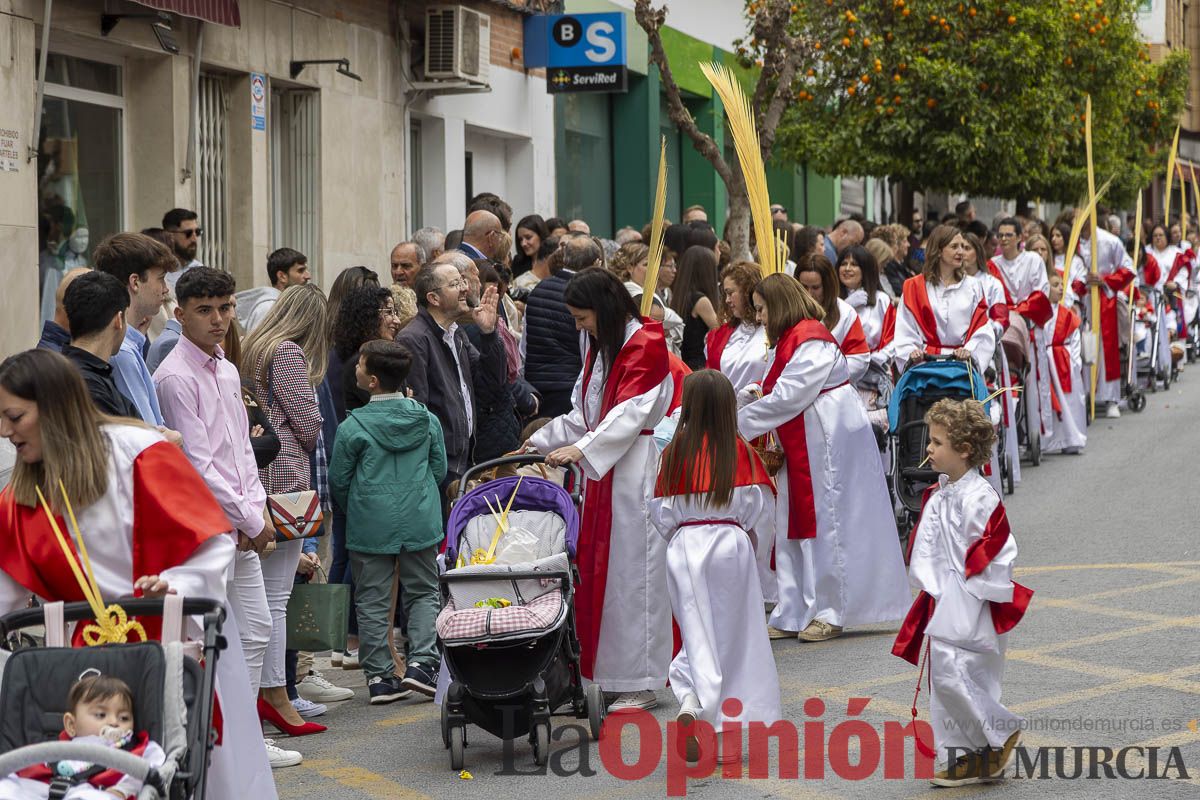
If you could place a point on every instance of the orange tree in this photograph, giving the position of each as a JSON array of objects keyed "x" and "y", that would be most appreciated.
[{"x": 983, "y": 97}]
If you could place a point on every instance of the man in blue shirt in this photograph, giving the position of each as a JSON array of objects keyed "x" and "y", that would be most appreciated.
[
  {"x": 141, "y": 264},
  {"x": 56, "y": 332}
]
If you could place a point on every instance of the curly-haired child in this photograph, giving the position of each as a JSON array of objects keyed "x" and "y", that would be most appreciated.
[{"x": 961, "y": 560}]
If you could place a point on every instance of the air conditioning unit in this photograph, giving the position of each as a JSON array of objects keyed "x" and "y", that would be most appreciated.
[{"x": 458, "y": 44}]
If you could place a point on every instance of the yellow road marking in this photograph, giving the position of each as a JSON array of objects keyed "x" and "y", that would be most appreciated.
[
  {"x": 370, "y": 783},
  {"x": 1162, "y": 566},
  {"x": 427, "y": 713}
]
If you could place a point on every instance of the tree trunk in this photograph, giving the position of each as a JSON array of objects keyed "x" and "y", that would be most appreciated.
[{"x": 737, "y": 228}]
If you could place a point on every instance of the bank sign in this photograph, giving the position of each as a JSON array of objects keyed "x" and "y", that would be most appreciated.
[{"x": 581, "y": 52}]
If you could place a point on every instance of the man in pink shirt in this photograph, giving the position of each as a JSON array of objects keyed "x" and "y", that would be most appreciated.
[{"x": 199, "y": 391}]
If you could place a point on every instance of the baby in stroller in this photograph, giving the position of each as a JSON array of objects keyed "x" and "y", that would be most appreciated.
[{"x": 101, "y": 712}]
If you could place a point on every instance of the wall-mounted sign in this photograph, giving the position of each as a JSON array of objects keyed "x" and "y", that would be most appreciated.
[
  {"x": 258, "y": 101},
  {"x": 581, "y": 52}
]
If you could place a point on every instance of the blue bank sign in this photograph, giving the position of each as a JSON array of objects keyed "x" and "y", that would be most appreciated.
[{"x": 581, "y": 52}]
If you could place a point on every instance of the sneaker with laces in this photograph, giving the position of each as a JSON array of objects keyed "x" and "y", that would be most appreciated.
[
  {"x": 279, "y": 757},
  {"x": 819, "y": 631},
  {"x": 383, "y": 690},
  {"x": 633, "y": 701},
  {"x": 421, "y": 678},
  {"x": 316, "y": 688},
  {"x": 307, "y": 708},
  {"x": 350, "y": 659},
  {"x": 689, "y": 712},
  {"x": 966, "y": 770},
  {"x": 998, "y": 759}
]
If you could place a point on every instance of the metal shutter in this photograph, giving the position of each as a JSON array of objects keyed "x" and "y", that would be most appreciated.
[{"x": 212, "y": 158}]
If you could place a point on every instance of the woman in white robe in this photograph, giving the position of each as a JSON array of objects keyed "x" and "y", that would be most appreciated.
[
  {"x": 820, "y": 280},
  {"x": 710, "y": 526},
  {"x": 858, "y": 274},
  {"x": 148, "y": 487},
  {"x": 1068, "y": 428},
  {"x": 837, "y": 552},
  {"x": 625, "y": 389}
]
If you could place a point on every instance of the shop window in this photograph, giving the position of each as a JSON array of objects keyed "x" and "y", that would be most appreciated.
[
  {"x": 212, "y": 155},
  {"x": 80, "y": 155},
  {"x": 295, "y": 144}
]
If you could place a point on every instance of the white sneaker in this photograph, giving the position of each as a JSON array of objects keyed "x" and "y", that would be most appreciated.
[
  {"x": 1113, "y": 411},
  {"x": 634, "y": 701},
  {"x": 689, "y": 710},
  {"x": 307, "y": 708},
  {"x": 279, "y": 757},
  {"x": 316, "y": 688},
  {"x": 350, "y": 659}
]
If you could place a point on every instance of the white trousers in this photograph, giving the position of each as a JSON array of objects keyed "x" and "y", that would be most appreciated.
[
  {"x": 964, "y": 702},
  {"x": 279, "y": 573},
  {"x": 248, "y": 602},
  {"x": 14, "y": 788}
]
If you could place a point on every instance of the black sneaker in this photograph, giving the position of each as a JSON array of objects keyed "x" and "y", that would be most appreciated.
[
  {"x": 386, "y": 690},
  {"x": 421, "y": 678}
]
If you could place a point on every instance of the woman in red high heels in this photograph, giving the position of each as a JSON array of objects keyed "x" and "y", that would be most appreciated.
[{"x": 286, "y": 357}]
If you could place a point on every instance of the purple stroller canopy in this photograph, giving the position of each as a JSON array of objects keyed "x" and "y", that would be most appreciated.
[{"x": 536, "y": 494}]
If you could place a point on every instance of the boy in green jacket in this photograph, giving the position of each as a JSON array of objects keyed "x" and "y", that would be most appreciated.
[{"x": 388, "y": 460}]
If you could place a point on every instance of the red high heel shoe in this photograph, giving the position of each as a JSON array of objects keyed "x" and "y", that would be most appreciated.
[{"x": 268, "y": 714}]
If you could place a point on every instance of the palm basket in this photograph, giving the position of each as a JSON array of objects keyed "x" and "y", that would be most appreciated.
[{"x": 767, "y": 447}]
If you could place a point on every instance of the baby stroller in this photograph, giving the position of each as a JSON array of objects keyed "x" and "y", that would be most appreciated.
[
  {"x": 1029, "y": 426},
  {"x": 507, "y": 628},
  {"x": 173, "y": 694},
  {"x": 1147, "y": 339},
  {"x": 922, "y": 385}
]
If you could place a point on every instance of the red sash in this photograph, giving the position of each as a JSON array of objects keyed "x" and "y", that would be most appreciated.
[
  {"x": 1005, "y": 616},
  {"x": 641, "y": 366},
  {"x": 1151, "y": 270},
  {"x": 679, "y": 371},
  {"x": 750, "y": 472},
  {"x": 889, "y": 328},
  {"x": 715, "y": 343},
  {"x": 854, "y": 343},
  {"x": 916, "y": 300},
  {"x": 1035, "y": 307},
  {"x": 1065, "y": 325},
  {"x": 802, "y": 509},
  {"x": 1109, "y": 338},
  {"x": 1182, "y": 261},
  {"x": 104, "y": 780}
]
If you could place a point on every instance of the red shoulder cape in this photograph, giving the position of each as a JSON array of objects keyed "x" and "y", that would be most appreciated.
[
  {"x": 916, "y": 300},
  {"x": 750, "y": 472},
  {"x": 715, "y": 343}
]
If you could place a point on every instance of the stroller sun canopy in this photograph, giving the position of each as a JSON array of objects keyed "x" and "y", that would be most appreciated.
[
  {"x": 536, "y": 494},
  {"x": 950, "y": 377}
]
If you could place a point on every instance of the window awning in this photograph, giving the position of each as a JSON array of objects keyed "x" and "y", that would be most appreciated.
[{"x": 220, "y": 12}]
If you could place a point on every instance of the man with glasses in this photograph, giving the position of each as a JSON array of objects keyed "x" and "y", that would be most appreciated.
[
  {"x": 184, "y": 227},
  {"x": 448, "y": 374},
  {"x": 779, "y": 213}
]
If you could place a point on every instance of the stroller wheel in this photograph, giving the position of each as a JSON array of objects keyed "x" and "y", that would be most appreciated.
[
  {"x": 458, "y": 742},
  {"x": 1137, "y": 401},
  {"x": 596, "y": 709},
  {"x": 540, "y": 738},
  {"x": 445, "y": 723},
  {"x": 1009, "y": 486}
]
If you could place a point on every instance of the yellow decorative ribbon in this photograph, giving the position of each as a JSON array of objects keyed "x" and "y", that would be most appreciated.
[{"x": 113, "y": 625}]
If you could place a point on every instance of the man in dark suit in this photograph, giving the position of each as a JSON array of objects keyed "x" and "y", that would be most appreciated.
[{"x": 446, "y": 367}]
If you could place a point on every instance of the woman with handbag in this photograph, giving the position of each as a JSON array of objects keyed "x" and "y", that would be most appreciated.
[
  {"x": 837, "y": 553},
  {"x": 286, "y": 356},
  {"x": 126, "y": 485}
]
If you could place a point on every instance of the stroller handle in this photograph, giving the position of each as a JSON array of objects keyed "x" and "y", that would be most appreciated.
[
  {"x": 524, "y": 458},
  {"x": 81, "y": 611}
]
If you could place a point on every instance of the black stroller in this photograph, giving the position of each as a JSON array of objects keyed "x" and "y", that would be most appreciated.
[
  {"x": 173, "y": 697},
  {"x": 507, "y": 627}
]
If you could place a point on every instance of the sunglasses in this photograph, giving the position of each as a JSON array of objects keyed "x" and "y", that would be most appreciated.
[{"x": 194, "y": 233}]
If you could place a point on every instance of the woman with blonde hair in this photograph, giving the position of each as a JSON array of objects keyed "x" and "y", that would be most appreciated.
[
  {"x": 286, "y": 356},
  {"x": 837, "y": 553},
  {"x": 943, "y": 310},
  {"x": 126, "y": 486}
]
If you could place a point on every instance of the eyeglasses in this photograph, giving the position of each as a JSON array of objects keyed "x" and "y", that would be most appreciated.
[
  {"x": 1009, "y": 235},
  {"x": 388, "y": 312},
  {"x": 457, "y": 285},
  {"x": 194, "y": 233}
]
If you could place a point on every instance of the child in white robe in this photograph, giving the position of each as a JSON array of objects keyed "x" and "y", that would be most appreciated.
[
  {"x": 712, "y": 492},
  {"x": 961, "y": 561},
  {"x": 1068, "y": 425}
]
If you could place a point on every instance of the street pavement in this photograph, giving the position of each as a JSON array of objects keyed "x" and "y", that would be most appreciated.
[{"x": 1108, "y": 656}]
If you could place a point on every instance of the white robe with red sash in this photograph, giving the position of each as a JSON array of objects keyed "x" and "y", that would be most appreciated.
[
  {"x": 622, "y": 609},
  {"x": 156, "y": 517},
  {"x": 961, "y": 562},
  {"x": 1069, "y": 402},
  {"x": 938, "y": 319},
  {"x": 849, "y": 334},
  {"x": 1075, "y": 288},
  {"x": 712, "y": 580},
  {"x": 739, "y": 352},
  {"x": 997, "y": 301},
  {"x": 1115, "y": 269},
  {"x": 1026, "y": 292},
  {"x": 837, "y": 553}
]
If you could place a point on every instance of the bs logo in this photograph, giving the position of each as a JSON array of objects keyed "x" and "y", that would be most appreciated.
[{"x": 599, "y": 35}]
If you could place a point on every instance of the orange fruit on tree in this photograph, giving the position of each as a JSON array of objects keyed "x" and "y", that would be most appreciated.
[
  {"x": 931, "y": 103},
  {"x": 1012, "y": 20}
]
